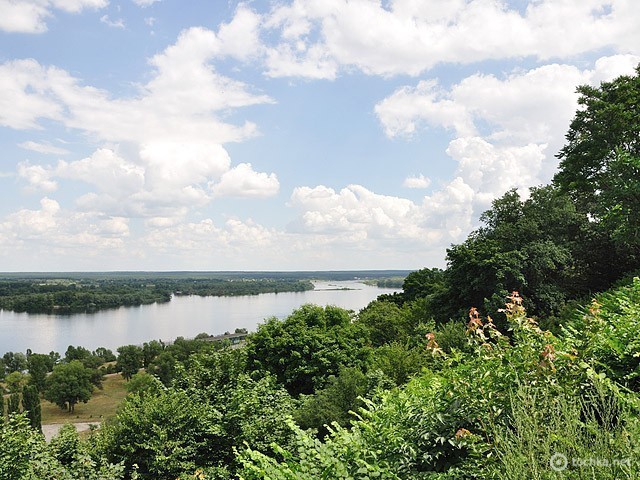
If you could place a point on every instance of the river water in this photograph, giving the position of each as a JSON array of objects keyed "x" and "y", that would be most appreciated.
[{"x": 184, "y": 316}]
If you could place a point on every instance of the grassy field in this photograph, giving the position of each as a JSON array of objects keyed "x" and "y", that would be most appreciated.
[{"x": 102, "y": 405}]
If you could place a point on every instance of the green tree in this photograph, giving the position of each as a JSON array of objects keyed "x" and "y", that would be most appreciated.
[
  {"x": 142, "y": 383},
  {"x": 256, "y": 413},
  {"x": 13, "y": 405},
  {"x": 105, "y": 354},
  {"x": 150, "y": 350},
  {"x": 15, "y": 381},
  {"x": 542, "y": 247},
  {"x": 304, "y": 349},
  {"x": 129, "y": 360},
  {"x": 26, "y": 455},
  {"x": 32, "y": 407},
  {"x": 163, "y": 367},
  {"x": 164, "y": 434},
  {"x": 65, "y": 446},
  {"x": 76, "y": 353},
  {"x": 600, "y": 163},
  {"x": 385, "y": 323},
  {"x": 19, "y": 445},
  {"x": 335, "y": 402},
  {"x": 423, "y": 283},
  {"x": 398, "y": 362},
  {"x": 15, "y": 361},
  {"x": 39, "y": 366},
  {"x": 68, "y": 384}
]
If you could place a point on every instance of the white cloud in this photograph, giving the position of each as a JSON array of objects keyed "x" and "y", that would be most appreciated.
[
  {"x": 106, "y": 171},
  {"x": 243, "y": 181},
  {"x": 356, "y": 211},
  {"x": 76, "y": 6},
  {"x": 52, "y": 227},
  {"x": 174, "y": 164},
  {"x": 419, "y": 181},
  {"x": 506, "y": 130},
  {"x": 171, "y": 132},
  {"x": 117, "y": 23},
  {"x": 410, "y": 37},
  {"x": 23, "y": 94},
  {"x": 523, "y": 106},
  {"x": 45, "y": 148},
  {"x": 145, "y": 3},
  {"x": 166, "y": 179},
  {"x": 208, "y": 239},
  {"x": 240, "y": 37},
  {"x": 402, "y": 112},
  {"x": 37, "y": 177},
  {"x": 313, "y": 62},
  {"x": 29, "y": 16},
  {"x": 160, "y": 153},
  {"x": 179, "y": 103}
]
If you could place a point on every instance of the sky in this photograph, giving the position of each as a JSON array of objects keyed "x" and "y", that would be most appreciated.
[{"x": 284, "y": 134}]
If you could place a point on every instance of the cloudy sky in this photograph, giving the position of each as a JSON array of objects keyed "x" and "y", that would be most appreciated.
[{"x": 282, "y": 134}]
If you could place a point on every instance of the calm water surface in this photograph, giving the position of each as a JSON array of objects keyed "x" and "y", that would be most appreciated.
[{"x": 182, "y": 316}]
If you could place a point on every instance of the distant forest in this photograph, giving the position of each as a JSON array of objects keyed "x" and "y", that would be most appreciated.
[{"x": 92, "y": 291}]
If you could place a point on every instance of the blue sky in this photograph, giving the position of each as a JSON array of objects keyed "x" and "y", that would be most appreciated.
[{"x": 282, "y": 135}]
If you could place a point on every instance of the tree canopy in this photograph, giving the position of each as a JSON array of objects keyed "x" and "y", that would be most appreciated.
[
  {"x": 600, "y": 163},
  {"x": 68, "y": 384}
]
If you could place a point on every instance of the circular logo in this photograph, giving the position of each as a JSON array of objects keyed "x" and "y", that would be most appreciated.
[{"x": 558, "y": 462}]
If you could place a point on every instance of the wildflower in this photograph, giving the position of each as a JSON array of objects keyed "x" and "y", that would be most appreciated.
[
  {"x": 432, "y": 345},
  {"x": 475, "y": 322},
  {"x": 547, "y": 356}
]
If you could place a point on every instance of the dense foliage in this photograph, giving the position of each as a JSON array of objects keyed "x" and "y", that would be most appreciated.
[
  {"x": 600, "y": 163},
  {"x": 307, "y": 347}
]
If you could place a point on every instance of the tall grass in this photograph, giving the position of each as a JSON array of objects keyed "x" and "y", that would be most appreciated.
[{"x": 568, "y": 436}]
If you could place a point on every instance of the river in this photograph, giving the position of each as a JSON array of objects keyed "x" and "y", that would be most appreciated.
[{"x": 184, "y": 316}]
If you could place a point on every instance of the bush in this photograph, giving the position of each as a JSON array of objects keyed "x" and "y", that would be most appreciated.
[{"x": 606, "y": 333}]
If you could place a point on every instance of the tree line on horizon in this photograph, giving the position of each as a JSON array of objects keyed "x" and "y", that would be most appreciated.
[{"x": 34, "y": 295}]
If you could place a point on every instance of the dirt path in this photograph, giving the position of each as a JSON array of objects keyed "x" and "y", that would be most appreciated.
[{"x": 52, "y": 429}]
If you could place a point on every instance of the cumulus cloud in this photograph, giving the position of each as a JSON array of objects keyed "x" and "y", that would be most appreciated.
[
  {"x": 28, "y": 16},
  {"x": 105, "y": 170},
  {"x": 180, "y": 102},
  {"x": 419, "y": 181},
  {"x": 208, "y": 239},
  {"x": 409, "y": 37},
  {"x": 357, "y": 211},
  {"x": 37, "y": 177},
  {"x": 24, "y": 84},
  {"x": 243, "y": 181},
  {"x": 506, "y": 130},
  {"x": 51, "y": 227},
  {"x": 160, "y": 153},
  {"x": 172, "y": 133},
  {"x": 165, "y": 179}
]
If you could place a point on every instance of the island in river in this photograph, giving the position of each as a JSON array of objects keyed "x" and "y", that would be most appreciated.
[{"x": 67, "y": 293}]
